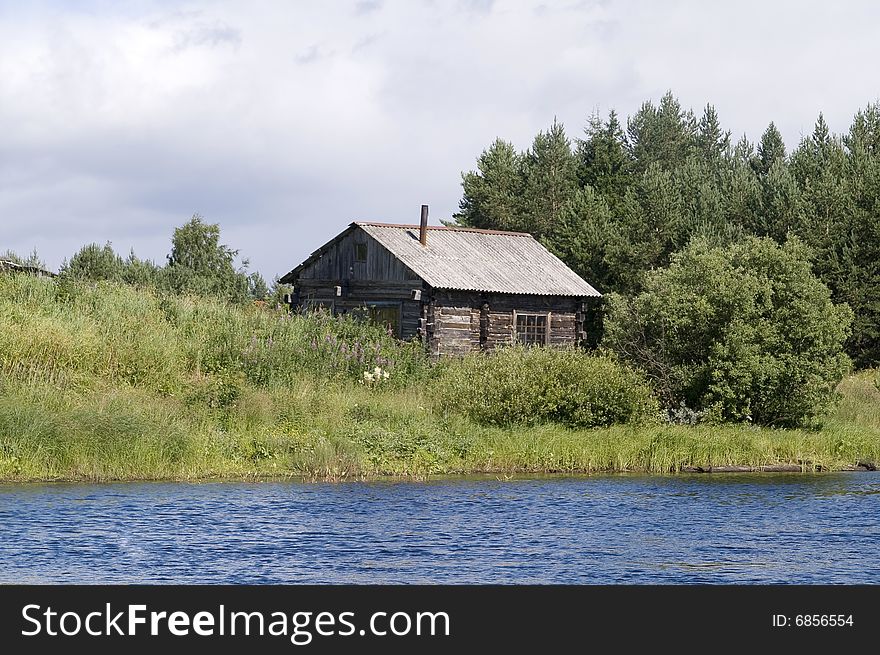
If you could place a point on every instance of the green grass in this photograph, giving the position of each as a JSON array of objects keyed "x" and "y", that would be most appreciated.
[{"x": 114, "y": 383}]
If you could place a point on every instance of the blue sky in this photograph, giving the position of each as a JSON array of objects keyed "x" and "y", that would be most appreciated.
[{"x": 284, "y": 121}]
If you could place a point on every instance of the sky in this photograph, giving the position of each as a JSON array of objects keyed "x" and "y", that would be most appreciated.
[{"x": 283, "y": 121}]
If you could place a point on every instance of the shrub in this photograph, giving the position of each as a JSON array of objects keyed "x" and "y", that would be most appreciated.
[
  {"x": 744, "y": 332},
  {"x": 538, "y": 385}
]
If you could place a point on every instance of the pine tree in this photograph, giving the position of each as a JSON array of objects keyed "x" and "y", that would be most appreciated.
[
  {"x": 784, "y": 210},
  {"x": 550, "y": 179},
  {"x": 93, "y": 263},
  {"x": 492, "y": 195},
  {"x": 741, "y": 189},
  {"x": 662, "y": 135},
  {"x": 140, "y": 272},
  {"x": 603, "y": 160},
  {"x": 646, "y": 229},
  {"x": 702, "y": 200},
  {"x": 770, "y": 150},
  {"x": 581, "y": 235},
  {"x": 711, "y": 141}
]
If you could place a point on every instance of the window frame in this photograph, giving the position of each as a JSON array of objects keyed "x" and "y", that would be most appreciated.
[
  {"x": 360, "y": 247},
  {"x": 378, "y": 306},
  {"x": 516, "y": 331}
]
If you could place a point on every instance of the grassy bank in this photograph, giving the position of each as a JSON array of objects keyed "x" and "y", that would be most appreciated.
[{"x": 111, "y": 383}]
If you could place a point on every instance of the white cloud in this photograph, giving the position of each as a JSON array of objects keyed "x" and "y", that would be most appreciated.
[{"x": 284, "y": 121}]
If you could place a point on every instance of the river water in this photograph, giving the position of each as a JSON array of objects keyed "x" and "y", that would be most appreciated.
[{"x": 687, "y": 529}]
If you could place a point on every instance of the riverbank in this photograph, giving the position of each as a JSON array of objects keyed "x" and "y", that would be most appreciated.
[
  {"x": 339, "y": 431},
  {"x": 108, "y": 382}
]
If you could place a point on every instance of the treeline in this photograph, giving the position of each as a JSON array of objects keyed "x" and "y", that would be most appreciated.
[
  {"x": 621, "y": 200},
  {"x": 198, "y": 264}
]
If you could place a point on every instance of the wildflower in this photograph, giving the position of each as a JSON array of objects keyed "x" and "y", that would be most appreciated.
[
  {"x": 368, "y": 377},
  {"x": 377, "y": 371},
  {"x": 385, "y": 374}
]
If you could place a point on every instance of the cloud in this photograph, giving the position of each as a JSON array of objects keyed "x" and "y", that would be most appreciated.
[
  {"x": 367, "y": 6},
  {"x": 285, "y": 121}
]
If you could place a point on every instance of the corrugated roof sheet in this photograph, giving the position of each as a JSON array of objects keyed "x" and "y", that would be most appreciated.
[{"x": 480, "y": 260}]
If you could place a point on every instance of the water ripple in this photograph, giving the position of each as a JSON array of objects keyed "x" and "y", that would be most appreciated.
[{"x": 596, "y": 530}]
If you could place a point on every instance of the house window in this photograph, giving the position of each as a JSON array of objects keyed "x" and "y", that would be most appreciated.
[
  {"x": 360, "y": 252},
  {"x": 387, "y": 316},
  {"x": 531, "y": 329}
]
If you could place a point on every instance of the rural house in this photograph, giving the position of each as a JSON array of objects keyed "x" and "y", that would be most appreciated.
[{"x": 458, "y": 289}]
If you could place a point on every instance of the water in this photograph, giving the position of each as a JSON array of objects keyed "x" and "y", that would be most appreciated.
[{"x": 591, "y": 530}]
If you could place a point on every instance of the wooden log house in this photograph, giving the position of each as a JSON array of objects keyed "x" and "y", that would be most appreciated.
[{"x": 457, "y": 289}]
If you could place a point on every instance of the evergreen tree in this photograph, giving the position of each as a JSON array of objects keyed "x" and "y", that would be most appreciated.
[
  {"x": 492, "y": 195},
  {"x": 770, "y": 150},
  {"x": 742, "y": 190},
  {"x": 141, "y": 272},
  {"x": 784, "y": 210},
  {"x": 712, "y": 143},
  {"x": 581, "y": 236},
  {"x": 257, "y": 288},
  {"x": 624, "y": 203},
  {"x": 702, "y": 201},
  {"x": 662, "y": 135},
  {"x": 858, "y": 255},
  {"x": 93, "y": 263},
  {"x": 647, "y": 228},
  {"x": 602, "y": 158},
  {"x": 863, "y": 140},
  {"x": 550, "y": 179}
]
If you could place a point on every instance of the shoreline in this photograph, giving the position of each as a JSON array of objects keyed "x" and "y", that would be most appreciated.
[{"x": 476, "y": 475}]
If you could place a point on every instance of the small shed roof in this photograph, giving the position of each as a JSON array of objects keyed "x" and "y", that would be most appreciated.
[
  {"x": 6, "y": 265},
  {"x": 468, "y": 259}
]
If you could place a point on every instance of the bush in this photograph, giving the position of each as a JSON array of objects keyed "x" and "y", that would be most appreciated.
[
  {"x": 539, "y": 385},
  {"x": 744, "y": 333}
]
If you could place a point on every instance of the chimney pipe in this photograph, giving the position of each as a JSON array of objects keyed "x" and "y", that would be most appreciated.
[{"x": 423, "y": 227}]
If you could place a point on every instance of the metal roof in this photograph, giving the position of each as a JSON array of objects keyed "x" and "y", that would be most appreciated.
[{"x": 478, "y": 260}]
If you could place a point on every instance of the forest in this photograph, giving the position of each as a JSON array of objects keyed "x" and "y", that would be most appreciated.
[{"x": 625, "y": 197}]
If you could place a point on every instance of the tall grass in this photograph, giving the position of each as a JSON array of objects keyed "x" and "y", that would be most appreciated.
[
  {"x": 68, "y": 333},
  {"x": 107, "y": 382}
]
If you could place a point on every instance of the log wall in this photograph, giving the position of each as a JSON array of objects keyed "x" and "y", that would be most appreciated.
[{"x": 464, "y": 322}]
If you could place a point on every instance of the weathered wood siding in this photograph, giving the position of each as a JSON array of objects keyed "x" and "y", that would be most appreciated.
[
  {"x": 381, "y": 280},
  {"x": 465, "y": 322},
  {"x": 338, "y": 263}
]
